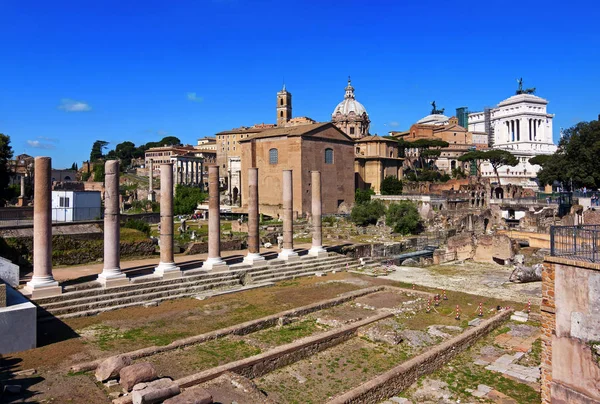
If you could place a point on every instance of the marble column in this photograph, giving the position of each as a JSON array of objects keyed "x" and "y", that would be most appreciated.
[
  {"x": 253, "y": 256},
  {"x": 166, "y": 268},
  {"x": 287, "y": 252},
  {"x": 151, "y": 194},
  {"x": 42, "y": 282},
  {"x": 214, "y": 260},
  {"x": 111, "y": 273},
  {"x": 317, "y": 249},
  {"x": 22, "y": 200}
]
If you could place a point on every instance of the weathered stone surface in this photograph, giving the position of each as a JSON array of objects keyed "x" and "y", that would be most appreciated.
[
  {"x": 151, "y": 395},
  {"x": 494, "y": 248},
  {"x": 191, "y": 396},
  {"x": 9, "y": 272},
  {"x": 410, "y": 262},
  {"x": 110, "y": 368},
  {"x": 136, "y": 373},
  {"x": 522, "y": 274}
]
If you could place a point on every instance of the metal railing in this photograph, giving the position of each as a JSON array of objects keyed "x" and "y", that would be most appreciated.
[{"x": 577, "y": 242}]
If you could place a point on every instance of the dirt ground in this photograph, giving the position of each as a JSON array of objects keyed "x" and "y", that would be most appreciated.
[
  {"x": 480, "y": 279},
  {"x": 62, "y": 344}
]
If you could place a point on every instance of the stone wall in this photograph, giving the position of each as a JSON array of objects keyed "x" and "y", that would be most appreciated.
[
  {"x": 229, "y": 245},
  {"x": 497, "y": 248},
  {"x": 401, "y": 377},
  {"x": 2, "y": 294},
  {"x": 571, "y": 331}
]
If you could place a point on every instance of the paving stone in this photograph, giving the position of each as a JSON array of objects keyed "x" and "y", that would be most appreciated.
[
  {"x": 400, "y": 400},
  {"x": 475, "y": 322}
]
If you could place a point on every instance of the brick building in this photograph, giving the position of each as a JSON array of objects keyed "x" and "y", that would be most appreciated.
[{"x": 302, "y": 149}]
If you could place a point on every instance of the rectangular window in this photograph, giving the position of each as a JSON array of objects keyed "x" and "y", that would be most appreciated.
[
  {"x": 352, "y": 130},
  {"x": 63, "y": 202}
]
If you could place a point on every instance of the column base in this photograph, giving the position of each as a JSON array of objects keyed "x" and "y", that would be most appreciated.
[
  {"x": 38, "y": 288},
  {"x": 152, "y": 196},
  {"x": 22, "y": 201},
  {"x": 288, "y": 254},
  {"x": 168, "y": 270},
  {"x": 109, "y": 280},
  {"x": 318, "y": 252},
  {"x": 212, "y": 264},
  {"x": 254, "y": 259}
]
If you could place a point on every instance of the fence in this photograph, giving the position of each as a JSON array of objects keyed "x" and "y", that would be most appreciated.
[{"x": 577, "y": 242}]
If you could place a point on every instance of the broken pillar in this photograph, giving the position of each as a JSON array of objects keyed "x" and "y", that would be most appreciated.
[
  {"x": 151, "y": 193},
  {"x": 287, "y": 252},
  {"x": 111, "y": 273},
  {"x": 317, "y": 249},
  {"x": 214, "y": 260},
  {"x": 42, "y": 283},
  {"x": 166, "y": 268},
  {"x": 253, "y": 256}
]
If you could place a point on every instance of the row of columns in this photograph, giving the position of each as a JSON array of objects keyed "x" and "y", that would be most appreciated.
[
  {"x": 188, "y": 171},
  {"x": 43, "y": 284},
  {"x": 513, "y": 129}
]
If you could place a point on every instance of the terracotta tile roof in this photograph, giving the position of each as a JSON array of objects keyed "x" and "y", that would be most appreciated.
[
  {"x": 300, "y": 130},
  {"x": 376, "y": 138}
]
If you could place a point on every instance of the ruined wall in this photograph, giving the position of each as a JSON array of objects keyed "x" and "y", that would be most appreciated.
[
  {"x": 497, "y": 248},
  {"x": 571, "y": 331},
  {"x": 229, "y": 245}
]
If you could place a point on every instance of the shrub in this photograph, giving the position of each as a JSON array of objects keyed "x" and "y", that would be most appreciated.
[
  {"x": 138, "y": 225},
  {"x": 367, "y": 213},
  {"x": 391, "y": 186},
  {"x": 404, "y": 218},
  {"x": 363, "y": 196}
]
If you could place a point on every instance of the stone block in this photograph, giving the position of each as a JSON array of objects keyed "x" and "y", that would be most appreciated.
[
  {"x": 137, "y": 373},
  {"x": 110, "y": 368},
  {"x": 9, "y": 272},
  {"x": 18, "y": 323},
  {"x": 195, "y": 395},
  {"x": 152, "y": 395},
  {"x": 2, "y": 295}
]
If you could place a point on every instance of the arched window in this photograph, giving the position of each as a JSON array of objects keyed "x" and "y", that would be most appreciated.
[
  {"x": 273, "y": 156},
  {"x": 281, "y": 114},
  {"x": 281, "y": 101},
  {"x": 328, "y": 156}
]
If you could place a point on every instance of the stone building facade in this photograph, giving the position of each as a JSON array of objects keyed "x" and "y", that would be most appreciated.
[
  {"x": 350, "y": 116},
  {"x": 521, "y": 125},
  {"x": 376, "y": 158},
  {"x": 302, "y": 149}
]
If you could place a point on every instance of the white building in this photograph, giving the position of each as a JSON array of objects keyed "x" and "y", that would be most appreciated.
[
  {"x": 521, "y": 125},
  {"x": 71, "y": 206}
]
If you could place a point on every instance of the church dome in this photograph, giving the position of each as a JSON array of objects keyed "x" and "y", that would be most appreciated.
[
  {"x": 434, "y": 119},
  {"x": 349, "y": 104},
  {"x": 515, "y": 99}
]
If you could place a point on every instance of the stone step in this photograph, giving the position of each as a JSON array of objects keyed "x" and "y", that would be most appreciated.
[
  {"x": 83, "y": 305},
  {"x": 139, "y": 292},
  {"x": 152, "y": 282},
  {"x": 94, "y": 312}
]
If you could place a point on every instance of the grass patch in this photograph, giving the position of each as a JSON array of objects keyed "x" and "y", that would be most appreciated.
[
  {"x": 287, "y": 333},
  {"x": 534, "y": 356},
  {"x": 223, "y": 350}
]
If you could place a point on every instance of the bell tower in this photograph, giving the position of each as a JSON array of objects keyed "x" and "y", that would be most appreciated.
[{"x": 284, "y": 107}]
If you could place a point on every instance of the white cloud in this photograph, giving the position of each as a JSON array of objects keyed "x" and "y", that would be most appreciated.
[
  {"x": 39, "y": 145},
  {"x": 48, "y": 139},
  {"x": 394, "y": 124},
  {"x": 69, "y": 105},
  {"x": 194, "y": 97}
]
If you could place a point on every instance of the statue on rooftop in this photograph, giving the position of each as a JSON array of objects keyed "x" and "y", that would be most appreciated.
[
  {"x": 435, "y": 111},
  {"x": 520, "y": 90}
]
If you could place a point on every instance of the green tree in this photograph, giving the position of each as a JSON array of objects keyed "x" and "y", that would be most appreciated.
[
  {"x": 74, "y": 166},
  {"x": 391, "y": 186},
  {"x": 187, "y": 199},
  {"x": 363, "y": 196},
  {"x": 497, "y": 158},
  {"x": 124, "y": 152},
  {"x": 170, "y": 141},
  {"x": 6, "y": 153},
  {"x": 403, "y": 217},
  {"x": 99, "y": 172},
  {"x": 577, "y": 157},
  {"x": 98, "y": 150},
  {"x": 367, "y": 213}
]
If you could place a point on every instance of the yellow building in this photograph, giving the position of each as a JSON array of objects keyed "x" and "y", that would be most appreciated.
[{"x": 375, "y": 158}]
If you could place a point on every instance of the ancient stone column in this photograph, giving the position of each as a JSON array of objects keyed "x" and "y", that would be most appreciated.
[
  {"x": 42, "y": 283},
  {"x": 253, "y": 256},
  {"x": 22, "y": 186},
  {"x": 151, "y": 194},
  {"x": 214, "y": 260},
  {"x": 287, "y": 252},
  {"x": 166, "y": 268},
  {"x": 317, "y": 237},
  {"x": 111, "y": 273}
]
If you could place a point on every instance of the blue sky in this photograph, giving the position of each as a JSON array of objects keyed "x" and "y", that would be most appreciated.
[{"x": 72, "y": 72}]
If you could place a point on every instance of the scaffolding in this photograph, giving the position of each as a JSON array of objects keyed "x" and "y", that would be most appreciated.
[
  {"x": 462, "y": 114},
  {"x": 487, "y": 120}
]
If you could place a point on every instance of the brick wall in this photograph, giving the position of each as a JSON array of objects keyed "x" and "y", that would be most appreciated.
[{"x": 548, "y": 311}]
